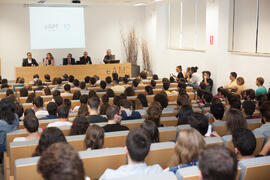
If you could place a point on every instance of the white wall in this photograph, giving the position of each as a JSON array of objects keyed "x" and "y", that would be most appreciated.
[
  {"x": 217, "y": 59},
  {"x": 102, "y": 27}
]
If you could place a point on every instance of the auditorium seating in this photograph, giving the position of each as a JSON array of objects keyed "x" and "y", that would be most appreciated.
[{"x": 161, "y": 176}]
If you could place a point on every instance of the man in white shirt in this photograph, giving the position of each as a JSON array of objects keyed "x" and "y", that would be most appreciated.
[
  {"x": 63, "y": 112},
  {"x": 67, "y": 92},
  {"x": 39, "y": 109},
  {"x": 137, "y": 148},
  {"x": 116, "y": 87}
]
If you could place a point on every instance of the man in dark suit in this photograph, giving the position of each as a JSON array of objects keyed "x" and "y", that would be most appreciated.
[
  {"x": 29, "y": 61},
  {"x": 85, "y": 59},
  {"x": 69, "y": 60}
]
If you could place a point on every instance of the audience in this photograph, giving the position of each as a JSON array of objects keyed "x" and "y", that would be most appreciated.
[
  {"x": 83, "y": 88},
  {"x": 93, "y": 108},
  {"x": 52, "y": 110},
  {"x": 127, "y": 112},
  {"x": 62, "y": 112},
  {"x": 240, "y": 85},
  {"x": 137, "y": 148},
  {"x": 208, "y": 82},
  {"x": 114, "y": 117},
  {"x": 217, "y": 111},
  {"x": 79, "y": 126},
  {"x": 60, "y": 161},
  {"x": 116, "y": 87},
  {"x": 48, "y": 137},
  {"x": 244, "y": 143},
  {"x": 265, "y": 112},
  {"x": 31, "y": 124},
  {"x": 199, "y": 122},
  {"x": 149, "y": 90},
  {"x": 162, "y": 99},
  {"x": 143, "y": 100},
  {"x": 217, "y": 163},
  {"x": 232, "y": 86},
  {"x": 249, "y": 109},
  {"x": 105, "y": 104},
  {"x": 186, "y": 153},
  {"x": 153, "y": 113},
  {"x": 94, "y": 138}
]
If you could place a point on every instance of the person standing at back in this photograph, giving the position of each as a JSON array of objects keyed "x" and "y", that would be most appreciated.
[
  {"x": 137, "y": 148},
  {"x": 29, "y": 61},
  {"x": 261, "y": 89}
]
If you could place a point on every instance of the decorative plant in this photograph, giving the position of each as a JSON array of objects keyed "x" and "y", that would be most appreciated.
[
  {"x": 146, "y": 57},
  {"x": 131, "y": 45}
]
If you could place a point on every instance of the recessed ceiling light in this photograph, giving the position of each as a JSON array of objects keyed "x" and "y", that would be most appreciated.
[{"x": 139, "y": 4}]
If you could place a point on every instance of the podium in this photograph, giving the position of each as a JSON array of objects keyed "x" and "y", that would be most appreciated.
[{"x": 79, "y": 71}]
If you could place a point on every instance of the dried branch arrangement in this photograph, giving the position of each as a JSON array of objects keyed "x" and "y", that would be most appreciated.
[
  {"x": 146, "y": 56},
  {"x": 131, "y": 45}
]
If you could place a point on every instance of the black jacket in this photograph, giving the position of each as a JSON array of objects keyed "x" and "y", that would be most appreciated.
[
  {"x": 85, "y": 61},
  {"x": 25, "y": 62},
  {"x": 65, "y": 61}
]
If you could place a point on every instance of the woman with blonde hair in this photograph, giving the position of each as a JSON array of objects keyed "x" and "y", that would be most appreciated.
[
  {"x": 186, "y": 152},
  {"x": 240, "y": 85}
]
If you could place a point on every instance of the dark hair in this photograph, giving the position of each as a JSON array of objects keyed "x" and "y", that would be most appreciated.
[
  {"x": 125, "y": 104},
  {"x": 108, "y": 80},
  {"x": 194, "y": 69},
  {"x": 94, "y": 137},
  {"x": 103, "y": 84},
  {"x": 38, "y": 102},
  {"x": 123, "y": 96},
  {"x": 199, "y": 122},
  {"x": 116, "y": 100},
  {"x": 76, "y": 83},
  {"x": 23, "y": 92},
  {"x": 58, "y": 100},
  {"x": 29, "y": 111},
  {"x": 4, "y": 85},
  {"x": 87, "y": 79},
  {"x": 265, "y": 111},
  {"x": 125, "y": 80},
  {"x": 143, "y": 100},
  {"x": 235, "y": 101},
  {"x": 49, "y": 136},
  {"x": 183, "y": 99},
  {"x": 76, "y": 95},
  {"x": 7, "y": 110},
  {"x": 151, "y": 128},
  {"x": 249, "y": 107},
  {"x": 129, "y": 91},
  {"x": 135, "y": 83},
  {"x": 61, "y": 162},
  {"x": 184, "y": 112},
  {"x": 110, "y": 92},
  {"x": 59, "y": 81},
  {"x": 155, "y": 77},
  {"x": 138, "y": 144},
  {"x": 217, "y": 163},
  {"x": 103, "y": 108},
  {"x": 56, "y": 93},
  {"x": 153, "y": 83},
  {"x": 84, "y": 99},
  {"x": 234, "y": 74},
  {"x": 244, "y": 140},
  {"x": 207, "y": 96},
  {"x": 217, "y": 110},
  {"x": 143, "y": 75},
  {"x": 115, "y": 76},
  {"x": 71, "y": 78},
  {"x": 9, "y": 92},
  {"x": 105, "y": 98},
  {"x": 94, "y": 102},
  {"x": 47, "y": 91},
  {"x": 67, "y": 87},
  {"x": 112, "y": 111},
  {"x": 67, "y": 102},
  {"x": 166, "y": 85},
  {"x": 35, "y": 76},
  {"x": 149, "y": 90},
  {"x": 47, "y": 78},
  {"x": 52, "y": 108},
  {"x": 250, "y": 94},
  {"x": 83, "y": 110},
  {"x": 153, "y": 114},
  {"x": 31, "y": 123},
  {"x": 162, "y": 99},
  {"x": 38, "y": 82},
  {"x": 79, "y": 126},
  {"x": 234, "y": 119},
  {"x": 93, "y": 80},
  {"x": 63, "y": 111},
  {"x": 92, "y": 93}
]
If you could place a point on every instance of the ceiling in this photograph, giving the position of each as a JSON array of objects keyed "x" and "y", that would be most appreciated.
[{"x": 83, "y": 2}]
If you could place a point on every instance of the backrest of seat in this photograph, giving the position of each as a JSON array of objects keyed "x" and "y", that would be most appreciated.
[
  {"x": 160, "y": 153},
  {"x": 213, "y": 140},
  {"x": 254, "y": 123},
  {"x": 161, "y": 176},
  {"x": 180, "y": 127},
  {"x": 26, "y": 169},
  {"x": 220, "y": 127},
  {"x": 188, "y": 173},
  {"x": 167, "y": 133},
  {"x": 255, "y": 168}
]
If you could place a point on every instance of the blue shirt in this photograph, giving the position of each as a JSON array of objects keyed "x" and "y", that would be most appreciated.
[
  {"x": 133, "y": 115},
  {"x": 6, "y": 128},
  {"x": 261, "y": 90},
  {"x": 175, "y": 168},
  {"x": 49, "y": 117}
]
